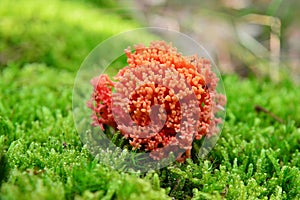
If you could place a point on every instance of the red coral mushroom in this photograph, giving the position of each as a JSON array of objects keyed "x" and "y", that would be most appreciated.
[
  {"x": 162, "y": 100},
  {"x": 100, "y": 102}
]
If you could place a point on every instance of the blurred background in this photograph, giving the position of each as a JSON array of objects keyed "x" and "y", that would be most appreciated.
[
  {"x": 243, "y": 36},
  {"x": 258, "y": 38}
]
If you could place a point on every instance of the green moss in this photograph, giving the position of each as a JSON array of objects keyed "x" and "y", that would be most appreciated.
[
  {"x": 60, "y": 33},
  {"x": 255, "y": 157},
  {"x": 44, "y": 157}
]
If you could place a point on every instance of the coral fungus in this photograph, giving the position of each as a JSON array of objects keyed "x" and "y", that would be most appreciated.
[{"x": 162, "y": 100}]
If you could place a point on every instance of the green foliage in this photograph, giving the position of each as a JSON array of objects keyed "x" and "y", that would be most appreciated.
[
  {"x": 41, "y": 154},
  {"x": 60, "y": 33}
]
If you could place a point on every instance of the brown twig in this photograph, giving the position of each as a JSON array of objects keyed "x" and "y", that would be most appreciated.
[{"x": 259, "y": 109}]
